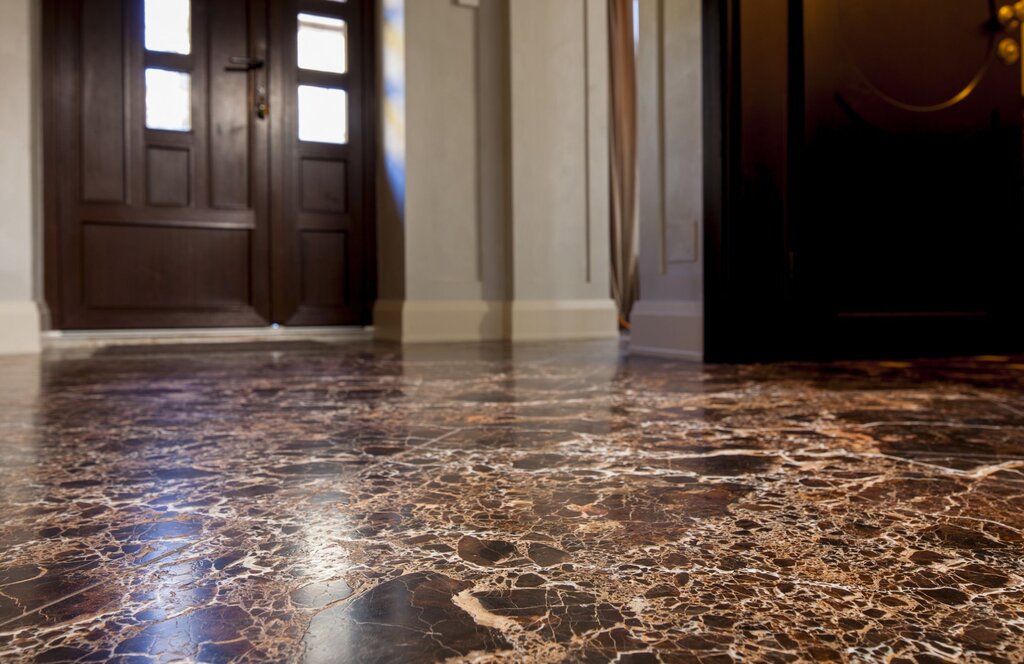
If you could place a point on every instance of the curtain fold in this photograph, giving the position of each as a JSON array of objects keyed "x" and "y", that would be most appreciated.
[{"x": 624, "y": 212}]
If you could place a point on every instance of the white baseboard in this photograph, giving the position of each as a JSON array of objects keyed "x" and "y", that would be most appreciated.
[
  {"x": 437, "y": 321},
  {"x": 667, "y": 329},
  {"x": 204, "y": 335},
  {"x": 544, "y": 320},
  {"x": 19, "y": 328}
]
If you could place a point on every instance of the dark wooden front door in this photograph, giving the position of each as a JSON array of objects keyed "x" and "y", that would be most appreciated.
[
  {"x": 190, "y": 181},
  {"x": 906, "y": 216}
]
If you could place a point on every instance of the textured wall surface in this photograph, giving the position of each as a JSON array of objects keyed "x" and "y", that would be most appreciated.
[
  {"x": 16, "y": 152},
  {"x": 502, "y": 136},
  {"x": 20, "y": 262},
  {"x": 669, "y": 317}
]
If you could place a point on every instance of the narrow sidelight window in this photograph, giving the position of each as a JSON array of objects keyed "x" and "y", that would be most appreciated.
[
  {"x": 168, "y": 26},
  {"x": 323, "y": 114},
  {"x": 323, "y": 43},
  {"x": 168, "y": 100}
]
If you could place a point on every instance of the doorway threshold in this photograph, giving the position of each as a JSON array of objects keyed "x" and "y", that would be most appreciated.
[{"x": 74, "y": 339}]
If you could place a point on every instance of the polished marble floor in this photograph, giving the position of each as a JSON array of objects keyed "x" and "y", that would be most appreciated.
[{"x": 360, "y": 503}]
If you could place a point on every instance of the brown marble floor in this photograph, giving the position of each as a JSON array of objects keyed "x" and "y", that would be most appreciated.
[{"x": 485, "y": 504}]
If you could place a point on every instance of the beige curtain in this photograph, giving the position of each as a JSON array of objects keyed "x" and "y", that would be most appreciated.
[{"x": 625, "y": 283}]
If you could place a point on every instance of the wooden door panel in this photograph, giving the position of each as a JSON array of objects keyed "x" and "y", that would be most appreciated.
[
  {"x": 324, "y": 185},
  {"x": 168, "y": 176},
  {"x": 102, "y": 116},
  {"x": 230, "y": 107},
  {"x": 156, "y": 228},
  {"x": 324, "y": 279},
  {"x": 148, "y": 267},
  {"x": 907, "y": 204}
]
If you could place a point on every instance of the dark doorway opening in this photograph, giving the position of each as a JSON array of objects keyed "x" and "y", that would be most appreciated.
[{"x": 863, "y": 188}]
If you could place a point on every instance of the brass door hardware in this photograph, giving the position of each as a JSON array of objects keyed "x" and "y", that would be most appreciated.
[
  {"x": 1008, "y": 17},
  {"x": 1008, "y": 50}
]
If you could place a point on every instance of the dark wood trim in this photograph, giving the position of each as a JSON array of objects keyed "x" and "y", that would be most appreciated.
[
  {"x": 715, "y": 15},
  {"x": 51, "y": 152},
  {"x": 261, "y": 153},
  {"x": 323, "y": 79},
  {"x": 281, "y": 127},
  {"x": 796, "y": 123},
  {"x": 172, "y": 61},
  {"x": 371, "y": 142},
  {"x": 327, "y": 7},
  {"x": 747, "y": 132},
  {"x": 719, "y": 53}
]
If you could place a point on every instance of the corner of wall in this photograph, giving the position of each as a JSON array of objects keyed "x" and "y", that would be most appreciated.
[
  {"x": 439, "y": 321},
  {"x": 514, "y": 246},
  {"x": 391, "y": 155},
  {"x": 668, "y": 320},
  {"x": 19, "y": 328},
  {"x": 387, "y": 320},
  {"x": 20, "y": 194},
  {"x": 667, "y": 329}
]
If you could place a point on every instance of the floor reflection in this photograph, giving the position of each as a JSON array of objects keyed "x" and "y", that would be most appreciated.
[{"x": 545, "y": 502}]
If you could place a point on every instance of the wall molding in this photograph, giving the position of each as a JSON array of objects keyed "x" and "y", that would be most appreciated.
[
  {"x": 586, "y": 141},
  {"x": 440, "y": 321},
  {"x": 19, "y": 328},
  {"x": 660, "y": 128},
  {"x": 543, "y": 320},
  {"x": 436, "y": 321}
]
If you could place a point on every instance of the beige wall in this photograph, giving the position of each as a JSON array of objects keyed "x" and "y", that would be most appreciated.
[
  {"x": 559, "y": 142},
  {"x": 443, "y": 188},
  {"x": 668, "y": 319},
  {"x": 559, "y": 161},
  {"x": 441, "y": 234},
  {"x": 19, "y": 316},
  {"x": 391, "y": 165},
  {"x": 504, "y": 230},
  {"x": 493, "y": 195},
  {"x": 455, "y": 147}
]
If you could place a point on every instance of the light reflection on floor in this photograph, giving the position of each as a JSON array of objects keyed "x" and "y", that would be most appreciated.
[{"x": 548, "y": 502}]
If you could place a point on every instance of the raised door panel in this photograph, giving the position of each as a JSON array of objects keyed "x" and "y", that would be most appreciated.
[
  {"x": 153, "y": 267},
  {"x": 170, "y": 224},
  {"x": 102, "y": 101}
]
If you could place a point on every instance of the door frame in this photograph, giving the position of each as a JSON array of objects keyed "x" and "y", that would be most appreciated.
[
  {"x": 750, "y": 86},
  {"x": 52, "y": 113}
]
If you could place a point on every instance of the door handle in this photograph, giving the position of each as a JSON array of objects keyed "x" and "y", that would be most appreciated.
[
  {"x": 242, "y": 63},
  {"x": 248, "y": 64}
]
